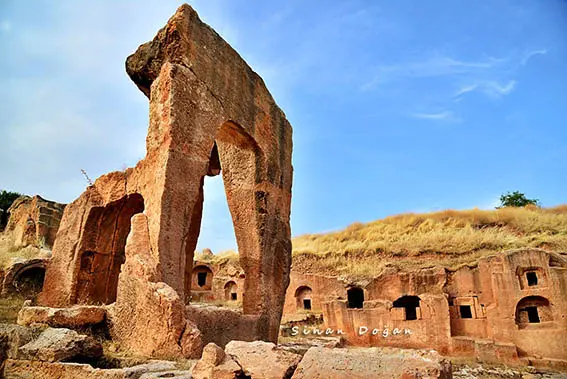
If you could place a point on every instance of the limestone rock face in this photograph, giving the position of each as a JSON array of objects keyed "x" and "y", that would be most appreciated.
[
  {"x": 26, "y": 369},
  {"x": 260, "y": 359},
  {"x": 362, "y": 363},
  {"x": 74, "y": 317},
  {"x": 12, "y": 337},
  {"x": 149, "y": 317},
  {"x": 34, "y": 221},
  {"x": 215, "y": 364},
  {"x": 209, "y": 111},
  {"x": 59, "y": 344}
]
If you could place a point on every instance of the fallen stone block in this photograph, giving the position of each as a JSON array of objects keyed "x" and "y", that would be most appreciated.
[
  {"x": 59, "y": 345},
  {"x": 12, "y": 337},
  {"x": 74, "y": 317},
  {"x": 260, "y": 359},
  {"x": 215, "y": 364},
  {"x": 359, "y": 363},
  {"x": 25, "y": 369}
]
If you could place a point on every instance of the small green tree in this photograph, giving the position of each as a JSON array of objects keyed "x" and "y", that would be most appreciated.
[
  {"x": 516, "y": 199},
  {"x": 7, "y": 198}
]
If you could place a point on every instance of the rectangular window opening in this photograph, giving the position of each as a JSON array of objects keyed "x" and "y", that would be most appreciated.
[
  {"x": 411, "y": 313},
  {"x": 532, "y": 278},
  {"x": 201, "y": 279},
  {"x": 466, "y": 311},
  {"x": 233, "y": 296},
  {"x": 533, "y": 315},
  {"x": 307, "y": 304}
]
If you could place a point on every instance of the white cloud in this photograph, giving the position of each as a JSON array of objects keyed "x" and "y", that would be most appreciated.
[
  {"x": 439, "y": 116},
  {"x": 490, "y": 88},
  {"x": 531, "y": 54},
  {"x": 436, "y": 65},
  {"x": 466, "y": 89}
]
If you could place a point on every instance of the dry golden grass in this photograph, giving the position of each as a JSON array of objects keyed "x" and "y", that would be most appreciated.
[
  {"x": 449, "y": 238},
  {"x": 221, "y": 258},
  {"x": 9, "y": 308},
  {"x": 9, "y": 251}
]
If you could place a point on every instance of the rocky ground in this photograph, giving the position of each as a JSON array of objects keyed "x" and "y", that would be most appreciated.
[{"x": 485, "y": 372}]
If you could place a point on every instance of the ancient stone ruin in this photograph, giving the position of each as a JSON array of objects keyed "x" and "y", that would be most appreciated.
[
  {"x": 123, "y": 272},
  {"x": 129, "y": 238},
  {"x": 507, "y": 308},
  {"x": 33, "y": 221}
]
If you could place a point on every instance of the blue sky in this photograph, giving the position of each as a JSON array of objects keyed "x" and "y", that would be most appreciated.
[{"x": 397, "y": 106}]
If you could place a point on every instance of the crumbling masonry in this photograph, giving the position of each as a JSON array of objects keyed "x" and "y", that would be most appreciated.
[{"x": 129, "y": 238}]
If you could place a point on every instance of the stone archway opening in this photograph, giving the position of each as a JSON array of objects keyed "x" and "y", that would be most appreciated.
[
  {"x": 410, "y": 305},
  {"x": 231, "y": 291},
  {"x": 103, "y": 250},
  {"x": 201, "y": 93},
  {"x": 29, "y": 281},
  {"x": 355, "y": 298},
  {"x": 303, "y": 298},
  {"x": 202, "y": 278},
  {"x": 235, "y": 156},
  {"x": 532, "y": 310}
]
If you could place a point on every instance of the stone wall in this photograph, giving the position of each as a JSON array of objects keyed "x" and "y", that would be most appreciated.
[
  {"x": 33, "y": 221},
  {"x": 505, "y": 307}
]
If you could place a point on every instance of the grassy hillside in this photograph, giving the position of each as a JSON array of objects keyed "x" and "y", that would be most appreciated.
[{"x": 450, "y": 238}]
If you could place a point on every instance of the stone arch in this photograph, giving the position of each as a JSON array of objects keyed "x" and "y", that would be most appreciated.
[
  {"x": 236, "y": 155},
  {"x": 355, "y": 297},
  {"x": 533, "y": 310},
  {"x": 202, "y": 278},
  {"x": 25, "y": 278},
  {"x": 30, "y": 280},
  {"x": 103, "y": 249},
  {"x": 230, "y": 291},
  {"x": 410, "y": 305},
  {"x": 201, "y": 93},
  {"x": 303, "y": 298}
]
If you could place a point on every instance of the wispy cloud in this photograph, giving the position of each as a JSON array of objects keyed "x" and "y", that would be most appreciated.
[
  {"x": 436, "y": 65},
  {"x": 447, "y": 116},
  {"x": 491, "y": 88},
  {"x": 530, "y": 54}
]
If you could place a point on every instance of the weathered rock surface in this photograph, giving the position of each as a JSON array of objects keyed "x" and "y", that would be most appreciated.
[
  {"x": 176, "y": 374},
  {"x": 12, "y": 337},
  {"x": 59, "y": 344},
  {"x": 301, "y": 345},
  {"x": 492, "y": 372},
  {"x": 75, "y": 317},
  {"x": 34, "y": 221},
  {"x": 208, "y": 111},
  {"x": 363, "y": 363},
  {"x": 149, "y": 317},
  {"x": 230, "y": 324},
  {"x": 215, "y": 364},
  {"x": 25, "y": 369},
  {"x": 260, "y": 359}
]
